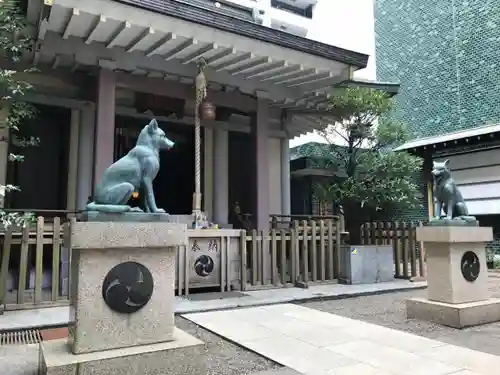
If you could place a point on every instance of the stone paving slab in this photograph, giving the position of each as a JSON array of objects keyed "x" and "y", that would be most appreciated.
[
  {"x": 19, "y": 360},
  {"x": 313, "y": 342},
  {"x": 58, "y": 316}
]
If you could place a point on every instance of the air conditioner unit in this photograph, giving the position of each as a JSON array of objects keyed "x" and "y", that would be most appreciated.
[{"x": 258, "y": 15}]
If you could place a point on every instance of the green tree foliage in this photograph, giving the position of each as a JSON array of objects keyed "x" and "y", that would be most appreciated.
[
  {"x": 14, "y": 44},
  {"x": 368, "y": 176}
]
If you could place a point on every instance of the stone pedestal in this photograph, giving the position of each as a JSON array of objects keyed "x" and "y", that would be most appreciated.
[
  {"x": 457, "y": 277},
  {"x": 121, "y": 300}
]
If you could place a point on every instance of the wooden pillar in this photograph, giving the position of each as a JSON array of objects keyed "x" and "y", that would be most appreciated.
[
  {"x": 221, "y": 177},
  {"x": 85, "y": 156},
  {"x": 285, "y": 177},
  {"x": 105, "y": 122},
  {"x": 260, "y": 135},
  {"x": 73, "y": 160}
]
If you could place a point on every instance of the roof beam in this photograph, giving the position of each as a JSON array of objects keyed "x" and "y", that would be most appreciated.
[
  {"x": 86, "y": 55},
  {"x": 282, "y": 103},
  {"x": 312, "y": 79},
  {"x": 234, "y": 62},
  {"x": 199, "y": 53},
  {"x": 96, "y": 28},
  {"x": 71, "y": 23},
  {"x": 299, "y": 72},
  {"x": 281, "y": 66},
  {"x": 251, "y": 66},
  {"x": 136, "y": 43},
  {"x": 236, "y": 100},
  {"x": 227, "y": 52},
  {"x": 306, "y": 74},
  {"x": 179, "y": 49},
  {"x": 118, "y": 34},
  {"x": 158, "y": 46}
]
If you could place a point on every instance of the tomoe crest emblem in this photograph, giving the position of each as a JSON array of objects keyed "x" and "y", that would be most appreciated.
[{"x": 127, "y": 287}]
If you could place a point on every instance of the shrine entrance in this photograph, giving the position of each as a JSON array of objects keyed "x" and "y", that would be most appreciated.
[{"x": 175, "y": 181}]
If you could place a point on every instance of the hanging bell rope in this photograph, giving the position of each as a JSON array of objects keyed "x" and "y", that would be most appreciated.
[{"x": 201, "y": 94}]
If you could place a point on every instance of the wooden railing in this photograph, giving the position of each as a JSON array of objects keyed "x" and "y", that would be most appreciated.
[
  {"x": 409, "y": 254},
  {"x": 24, "y": 281},
  {"x": 279, "y": 221},
  {"x": 307, "y": 252},
  {"x": 34, "y": 266}
]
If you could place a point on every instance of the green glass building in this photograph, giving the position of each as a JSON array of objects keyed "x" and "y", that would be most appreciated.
[{"x": 446, "y": 57}]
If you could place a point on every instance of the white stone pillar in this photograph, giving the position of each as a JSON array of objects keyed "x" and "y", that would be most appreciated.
[
  {"x": 86, "y": 157},
  {"x": 285, "y": 177},
  {"x": 71, "y": 193},
  {"x": 221, "y": 176}
]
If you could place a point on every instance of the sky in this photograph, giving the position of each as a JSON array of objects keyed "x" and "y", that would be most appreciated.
[{"x": 347, "y": 24}]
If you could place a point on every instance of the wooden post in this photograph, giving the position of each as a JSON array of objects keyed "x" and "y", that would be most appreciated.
[
  {"x": 305, "y": 253},
  {"x": 338, "y": 255},
  {"x": 243, "y": 262},
  {"x": 322, "y": 262},
  {"x": 255, "y": 266},
  {"x": 39, "y": 260},
  {"x": 56, "y": 252},
  {"x": 294, "y": 251},
  {"x": 398, "y": 243},
  {"x": 330, "y": 252},
  {"x": 284, "y": 266},
  {"x": 314, "y": 255},
  {"x": 21, "y": 288},
  {"x": 412, "y": 248},
  {"x": 274, "y": 250},
  {"x": 405, "y": 250},
  {"x": 4, "y": 270},
  {"x": 423, "y": 270}
]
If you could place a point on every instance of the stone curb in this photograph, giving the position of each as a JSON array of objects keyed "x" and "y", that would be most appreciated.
[{"x": 323, "y": 297}]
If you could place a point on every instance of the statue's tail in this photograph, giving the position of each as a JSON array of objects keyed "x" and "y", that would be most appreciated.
[{"x": 110, "y": 208}]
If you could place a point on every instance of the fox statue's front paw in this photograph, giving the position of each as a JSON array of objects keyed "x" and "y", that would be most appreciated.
[{"x": 160, "y": 211}]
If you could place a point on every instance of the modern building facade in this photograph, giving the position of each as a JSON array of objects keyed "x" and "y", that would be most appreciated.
[
  {"x": 290, "y": 16},
  {"x": 445, "y": 55}
]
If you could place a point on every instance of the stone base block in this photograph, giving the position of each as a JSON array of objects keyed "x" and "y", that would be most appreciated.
[
  {"x": 458, "y": 315},
  {"x": 135, "y": 217},
  {"x": 173, "y": 358}
]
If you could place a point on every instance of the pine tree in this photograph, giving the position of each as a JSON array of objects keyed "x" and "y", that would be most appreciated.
[{"x": 369, "y": 177}]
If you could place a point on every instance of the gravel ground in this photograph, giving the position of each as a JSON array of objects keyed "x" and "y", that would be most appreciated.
[
  {"x": 223, "y": 357},
  {"x": 389, "y": 310}
]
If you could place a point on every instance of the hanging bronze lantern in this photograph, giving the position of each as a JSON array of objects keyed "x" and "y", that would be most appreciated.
[{"x": 207, "y": 110}]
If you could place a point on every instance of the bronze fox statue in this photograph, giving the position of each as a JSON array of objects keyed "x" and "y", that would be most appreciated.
[
  {"x": 447, "y": 195},
  {"x": 133, "y": 172}
]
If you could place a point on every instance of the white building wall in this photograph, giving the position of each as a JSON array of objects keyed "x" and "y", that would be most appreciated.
[{"x": 478, "y": 176}]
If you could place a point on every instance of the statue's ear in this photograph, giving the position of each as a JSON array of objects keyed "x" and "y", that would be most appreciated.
[
  {"x": 153, "y": 126},
  {"x": 447, "y": 163}
]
